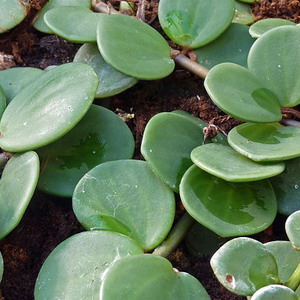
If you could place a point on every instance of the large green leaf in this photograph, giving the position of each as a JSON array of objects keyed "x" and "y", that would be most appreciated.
[
  {"x": 275, "y": 59},
  {"x": 287, "y": 258},
  {"x": 287, "y": 187},
  {"x": 228, "y": 208},
  {"x": 99, "y": 137},
  {"x": 266, "y": 142},
  {"x": 111, "y": 82},
  {"x": 48, "y": 108},
  {"x": 73, "y": 23},
  {"x": 239, "y": 93},
  {"x": 275, "y": 292},
  {"x": 243, "y": 13},
  {"x": 40, "y": 24},
  {"x": 17, "y": 184},
  {"x": 292, "y": 228},
  {"x": 244, "y": 265},
  {"x": 232, "y": 46},
  {"x": 75, "y": 268},
  {"x": 262, "y": 26},
  {"x": 1, "y": 266},
  {"x": 15, "y": 79},
  {"x": 126, "y": 197},
  {"x": 224, "y": 162},
  {"x": 133, "y": 47},
  {"x": 12, "y": 13},
  {"x": 149, "y": 277},
  {"x": 195, "y": 23}
]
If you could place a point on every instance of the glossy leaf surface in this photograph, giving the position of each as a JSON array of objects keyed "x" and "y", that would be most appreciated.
[
  {"x": 73, "y": 23},
  {"x": 239, "y": 93},
  {"x": 74, "y": 269},
  {"x": 111, "y": 81},
  {"x": 48, "y": 108},
  {"x": 271, "y": 61},
  {"x": 125, "y": 196},
  {"x": 292, "y": 228},
  {"x": 275, "y": 292},
  {"x": 244, "y": 265},
  {"x": 1, "y": 266},
  {"x": 224, "y": 162},
  {"x": 228, "y": 208},
  {"x": 243, "y": 13},
  {"x": 287, "y": 187},
  {"x": 262, "y": 26},
  {"x": 195, "y": 23},
  {"x": 99, "y": 137},
  {"x": 287, "y": 258},
  {"x": 231, "y": 46},
  {"x": 40, "y": 24},
  {"x": 17, "y": 185},
  {"x": 15, "y": 79},
  {"x": 149, "y": 277},
  {"x": 12, "y": 13},
  {"x": 133, "y": 47},
  {"x": 266, "y": 142}
]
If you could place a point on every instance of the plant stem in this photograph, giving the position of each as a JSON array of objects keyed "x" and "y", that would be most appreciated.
[
  {"x": 175, "y": 236},
  {"x": 290, "y": 122},
  {"x": 189, "y": 64},
  {"x": 294, "y": 281},
  {"x": 101, "y": 7}
]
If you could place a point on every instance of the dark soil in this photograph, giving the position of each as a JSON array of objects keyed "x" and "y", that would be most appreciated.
[{"x": 50, "y": 220}]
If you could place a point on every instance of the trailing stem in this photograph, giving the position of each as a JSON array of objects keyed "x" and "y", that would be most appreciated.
[
  {"x": 176, "y": 235},
  {"x": 294, "y": 282}
]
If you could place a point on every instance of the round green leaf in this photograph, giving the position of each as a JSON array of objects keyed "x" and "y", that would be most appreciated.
[
  {"x": 287, "y": 258},
  {"x": 287, "y": 187},
  {"x": 2, "y": 101},
  {"x": 167, "y": 143},
  {"x": 275, "y": 59},
  {"x": 17, "y": 185},
  {"x": 266, "y": 142},
  {"x": 239, "y": 93},
  {"x": 149, "y": 277},
  {"x": 227, "y": 208},
  {"x": 73, "y": 23},
  {"x": 232, "y": 46},
  {"x": 244, "y": 265},
  {"x": 48, "y": 108},
  {"x": 12, "y": 13},
  {"x": 292, "y": 228},
  {"x": 262, "y": 26},
  {"x": 15, "y": 79},
  {"x": 275, "y": 292},
  {"x": 99, "y": 137},
  {"x": 243, "y": 13},
  {"x": 133, "y": 47},
  {"x": 224, "y": 162},
  {"x": 195, "y": 23},
  {"x": 126, "y": 197},
  {"x": 1, "y": 266},
  {"x": 111, "y": 82},
  {"x": 75, "y": 268},
  {"x": 40, "y": 24}
]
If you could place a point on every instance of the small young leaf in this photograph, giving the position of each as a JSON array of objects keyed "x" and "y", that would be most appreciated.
[
  {"x": 243, "y": 13},
  {"x": 17, "y": 185},
  {"x": 244, "y": 265},
  {"x": 48, "y": 108},
  {"x": 231, "y": 46},
  {"x": 239, "y": 93},
  {"x": 266, "y": 142},
  {"x": 111, "y": 82},
  {"x": 1, "y": 266},
  {"x": 139, "y": 276},
  {"x": 195, "y": 23},
  {"x": 262, "y": 26},
  {"x": 224, "y": 162},
  {"x": 126, "y": 197},
  {"x": 275, "y": 292},
  {"x": 74, "y": 269},
  {"x": 220, "y": 205},
  {"x": 133, "y": 47},
  {"x": 292, "y": 228},
  {"x": 99, "y": 137}
]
